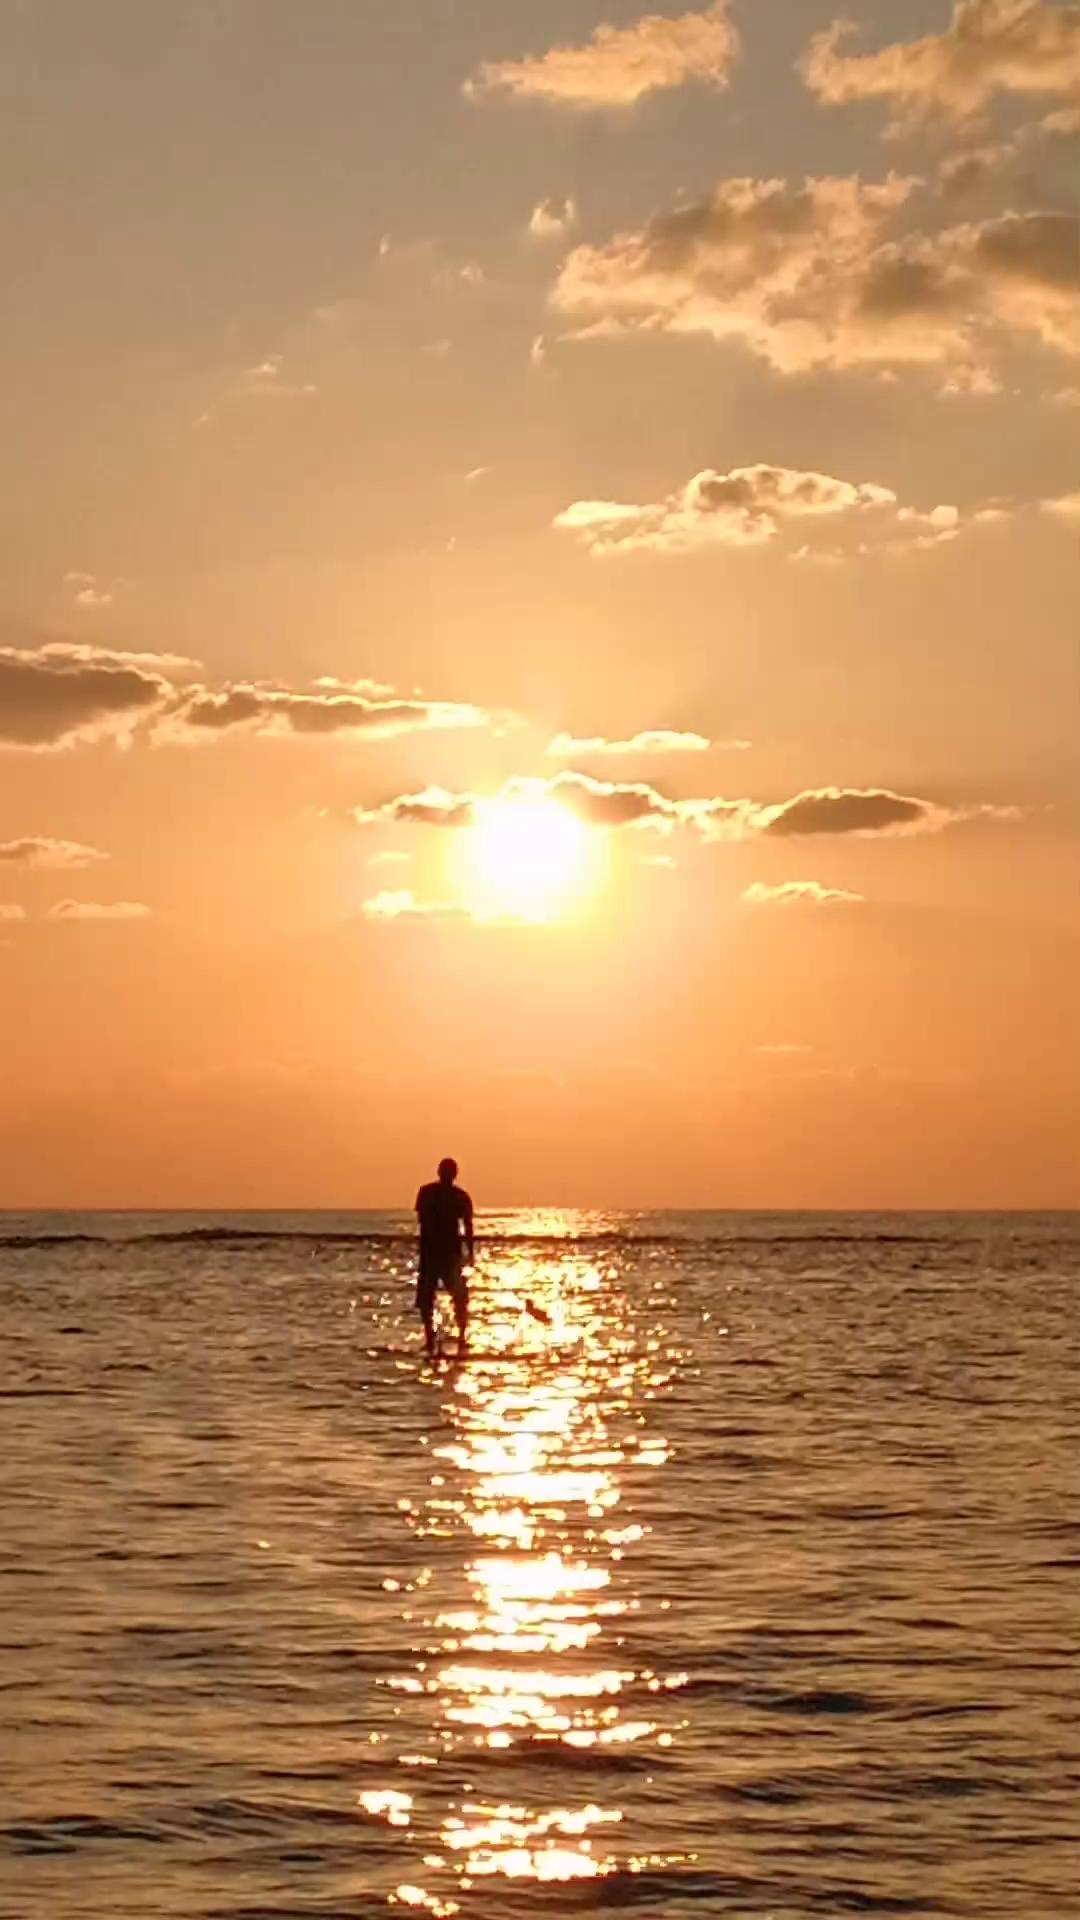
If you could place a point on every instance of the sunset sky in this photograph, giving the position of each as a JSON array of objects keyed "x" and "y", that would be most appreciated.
[{"x": 541, "y": 605}]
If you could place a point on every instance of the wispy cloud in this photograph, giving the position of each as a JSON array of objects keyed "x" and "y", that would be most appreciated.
[
  {"x": 269, "y": 379},
  {"x": 99, "y": 910},
  {"x": 795, "y": 893},
  {"x": 553, "y": 219},
  {"x": 618, "y": 66},
  {"x": 10, "y": 910},
  {"x": 433, "y": 807},
  {"x": 1065, "y": 507},
  {"x": 404, "y": 905},
  {"x": 566, "y": 746},
  {"x": 389, "y": 857},
  {"x": 1025, "y": 47},
  {"x": 88, "y": 592},
  {"x": 41, "y": 851}
]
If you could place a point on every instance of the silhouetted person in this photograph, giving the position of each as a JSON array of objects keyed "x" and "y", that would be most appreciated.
[{"x": 445, "y": 1213}]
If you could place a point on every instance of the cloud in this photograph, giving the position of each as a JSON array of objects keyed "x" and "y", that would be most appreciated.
[
  {"x": 610, "y": 803},
  {"x": 57, "y": 695},
  {"x": 1041, "y": 247},
  {"x": 10, "y": 910},
  {"x": 1029, "y": 265},
  {"x": 635, "y": 804},
  {"x": 975, "y": 167},
  {"x": 404, "y": 905},
  {"x": 389, "y": 857},
  {"x": 38, "y": 851},
  {"x": 604, "y": 803},
  {"x": 332, "y": 707},
  {"x": 87, "y": 592},
  {"x": 804, "y": 275},
  {"x": 62, "y": 694},
  {"x": 742, "y": 508},
  {"x": 989, "y": 47},
  {"x": 618, "y": 66},
  {"x": 553, "y": 218},
  {"x": 793, "y": 893},
  {"x": 814, "y": 275},
  {"x": 433, "y": 807},
  {"x": 566, "y": 747},
  {"x": 267, "y": 380},
  {"x": 1065, "y": 507},
  {"x": 866, "y": 811},
  {"x": 98, "y": 910}
]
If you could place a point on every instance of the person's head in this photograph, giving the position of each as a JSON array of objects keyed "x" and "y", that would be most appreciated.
[{"x": 448, "y": 1172}]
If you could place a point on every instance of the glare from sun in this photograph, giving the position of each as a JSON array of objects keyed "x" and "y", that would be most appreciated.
[{"x": 527, "y": 858}]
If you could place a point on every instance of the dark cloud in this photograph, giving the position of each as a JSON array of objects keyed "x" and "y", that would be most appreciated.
[
  {"x": 1043, "y": 248},
  {"x": 332, "y": 707},
  {"x": 852, "y": 810},
  {"x": 55, "y": 695},
  {"x": 902, "y": 282},
  {"x": 59, "y": 694},
  {"x": 607, "y": 803}
]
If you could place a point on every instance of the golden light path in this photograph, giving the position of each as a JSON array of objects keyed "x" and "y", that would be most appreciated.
[
  {"x": 527, "y": 858},
  {"x": 517, "y": 1650}
]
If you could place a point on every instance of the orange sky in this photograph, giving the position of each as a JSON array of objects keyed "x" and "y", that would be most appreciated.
[{"x": 540, "y": 556}]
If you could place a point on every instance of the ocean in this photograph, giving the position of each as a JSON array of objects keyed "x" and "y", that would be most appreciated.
[{"x": 745, "y": 1584}]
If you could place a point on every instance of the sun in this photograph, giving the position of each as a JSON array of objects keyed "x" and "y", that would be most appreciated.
[{"x": 527, "y": 858}]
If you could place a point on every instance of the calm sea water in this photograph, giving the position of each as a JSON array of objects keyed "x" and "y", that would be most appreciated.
[{"x": 746, "y": 1586}]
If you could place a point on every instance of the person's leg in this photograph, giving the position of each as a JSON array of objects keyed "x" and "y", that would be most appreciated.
[
  {"x": 425, "y": 1304},
  {"x": 459, "y": 1291}
]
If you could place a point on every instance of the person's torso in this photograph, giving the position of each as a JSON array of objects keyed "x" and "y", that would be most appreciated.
[{"x": 442, "y": 1210}]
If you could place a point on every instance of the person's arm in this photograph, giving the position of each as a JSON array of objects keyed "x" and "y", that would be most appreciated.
[{"x": 467, "y": 1221}]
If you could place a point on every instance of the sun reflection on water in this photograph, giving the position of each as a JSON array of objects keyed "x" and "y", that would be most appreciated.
[{"x": 519, "y": 1623}]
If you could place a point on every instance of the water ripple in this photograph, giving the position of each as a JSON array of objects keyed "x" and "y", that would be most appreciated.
[{"x": 733, "y": 1572}]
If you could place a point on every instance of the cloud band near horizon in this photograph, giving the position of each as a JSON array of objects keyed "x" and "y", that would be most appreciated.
[{"x": 866, "y": 812}]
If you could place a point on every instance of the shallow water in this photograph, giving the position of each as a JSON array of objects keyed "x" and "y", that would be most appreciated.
[{"x": 748, "y": 1586}]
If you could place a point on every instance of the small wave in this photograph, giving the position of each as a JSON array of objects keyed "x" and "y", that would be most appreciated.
[
  {"x": 27, "y": 1242},
  {"x": 66, "y": 1832},
  {"x": 586, "y": 1242}
]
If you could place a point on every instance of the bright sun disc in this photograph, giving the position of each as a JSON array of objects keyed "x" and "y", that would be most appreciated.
[{"x": 527, "y": 859}]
